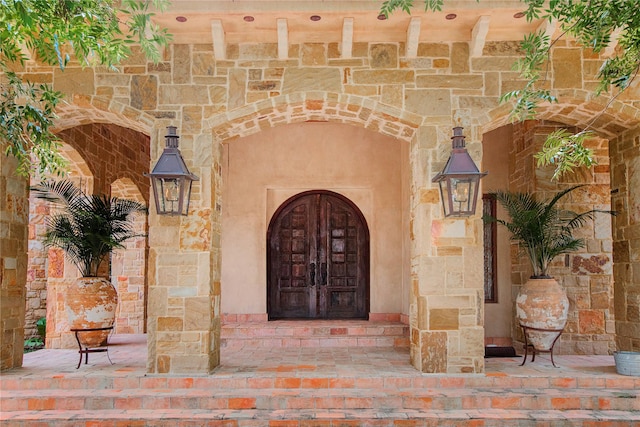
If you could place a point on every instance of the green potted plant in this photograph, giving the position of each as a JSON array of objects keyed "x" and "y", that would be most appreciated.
[
  {"x": 543, "y": 231},
  {"x": 88, "y": 228}
]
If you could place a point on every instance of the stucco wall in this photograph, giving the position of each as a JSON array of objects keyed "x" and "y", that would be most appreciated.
[
  {"x": 263, "y": 170},
  {"x": 495, "y": 159}
]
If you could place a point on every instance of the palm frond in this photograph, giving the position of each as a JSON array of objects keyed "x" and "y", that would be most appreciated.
[
  {"x": 540, "y": 227},
  {"x": 87, "y": 227}
]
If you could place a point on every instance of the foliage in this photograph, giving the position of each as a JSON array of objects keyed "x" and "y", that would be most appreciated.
[
  {"x": 41, "y": 324},
  {"x": 33, "y": 344},
  {"x": 91, "y": 32},
  {"x": 86, "y": 227},
  {"x": 541, "y": 228},
  {"x": 594, "y": 24}
]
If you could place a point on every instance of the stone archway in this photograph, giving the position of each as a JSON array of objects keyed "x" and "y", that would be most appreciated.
[
  {"x": 46, "y": 268},
  {"x": 602, "y": 295}
]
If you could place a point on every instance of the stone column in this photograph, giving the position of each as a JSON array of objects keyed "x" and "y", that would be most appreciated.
[
  {"x": 184, "y": 268},
  {"x": 14, "y": 218},
  {"x": 625, "y": 198},
  {"x": 446, "y": 312}
]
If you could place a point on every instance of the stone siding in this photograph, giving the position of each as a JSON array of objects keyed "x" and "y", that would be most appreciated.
[
  {"x": 625, "y": 181},
  {"x": 14, "y": 217}
]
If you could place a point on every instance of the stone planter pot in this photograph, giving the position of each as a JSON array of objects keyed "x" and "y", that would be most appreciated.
[
  {"x": 542, "y": 308},
  {"x": 91, "y": 302},
  {"x": 627, "y": 362}
]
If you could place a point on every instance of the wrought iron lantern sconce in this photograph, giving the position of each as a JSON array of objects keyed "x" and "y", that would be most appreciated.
[
  {"x": 171, "y": 179},
  {"x": 459, "y": 180}
]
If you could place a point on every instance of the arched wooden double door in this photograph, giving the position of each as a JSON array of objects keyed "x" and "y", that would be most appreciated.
[{"x": 318, "y": 259}]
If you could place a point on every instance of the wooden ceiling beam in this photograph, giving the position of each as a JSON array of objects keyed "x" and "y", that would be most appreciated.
[
  {"x": 413, "y": 37},
  {"x": 283, "y": 38},
  {"x": 479, "y": 36},
  {"x": 219, "y": 46},
  {"x": 347, "y": 38}
]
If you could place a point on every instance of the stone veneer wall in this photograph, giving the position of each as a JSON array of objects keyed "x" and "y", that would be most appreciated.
[
  {"x": 129, "y": 267},
  {"x": 36, "y": 306},
  {"x": 418, "y": 99},
  {"x": 625, "y": 182},
  {"x": 14, "y": 215},
  {"x": 112, "y": 152},
  {"x": 587, "y": 275}
]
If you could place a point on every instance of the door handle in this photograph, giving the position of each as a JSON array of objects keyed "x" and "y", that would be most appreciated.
[
  {"x": 312, "y": 273},
  {"x": 323, "y": 274}
]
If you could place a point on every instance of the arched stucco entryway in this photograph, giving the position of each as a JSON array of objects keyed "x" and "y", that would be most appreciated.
[{"x": 263, "y": 170}]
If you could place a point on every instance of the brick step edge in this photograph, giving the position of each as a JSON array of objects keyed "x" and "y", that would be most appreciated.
[
  {"x": 489, "y": 382},
  {"x": 169, "y": 417},
  {"x": 334, "y": 342},
  {"x": 258, "y": 399},
  {"x": 312, "y": 332}
]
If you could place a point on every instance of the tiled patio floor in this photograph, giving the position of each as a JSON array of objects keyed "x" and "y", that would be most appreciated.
[{"x": 129, "y": 354}]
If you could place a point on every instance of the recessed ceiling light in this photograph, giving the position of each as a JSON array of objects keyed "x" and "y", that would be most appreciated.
[
  {"x": 519, "y": 15},
  {"x": 451, "y": 16},
  {"x": 315, "y": 17},
  {"x": 181, "y": 18},
  {"x": 249, "y": 18},
  {"x": 382, "y": 17}
]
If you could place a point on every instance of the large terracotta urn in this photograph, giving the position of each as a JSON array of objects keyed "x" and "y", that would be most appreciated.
[
  {"x": 91, "y": 302},
  {"x": 542, "y": 308}
]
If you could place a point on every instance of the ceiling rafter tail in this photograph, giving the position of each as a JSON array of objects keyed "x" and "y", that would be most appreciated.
[
  {"x": 548, "y": 28},
  {"x": 479, "y": 36},
  {"x": 610, "y": 50},
  {"x": 149, "y": 35},
  {"x": 283, "y": 38},
  {"x": 26, "y": 51},
  {"x": 219, "y": 45},
  {"x": 347, "y": 38},
  {"x": 413, "y": 37}
]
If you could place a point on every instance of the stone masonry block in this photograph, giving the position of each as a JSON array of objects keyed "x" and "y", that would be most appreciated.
[{"x": 444, "y": 319}]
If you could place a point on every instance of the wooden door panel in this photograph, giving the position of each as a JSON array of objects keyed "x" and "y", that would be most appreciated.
[
  {"x": 318, "y": 259},
  {"x": 289, "y": 294},
  {"x": 347, "y": 255}
]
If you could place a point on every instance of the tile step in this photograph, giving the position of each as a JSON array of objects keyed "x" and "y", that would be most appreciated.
[
  {"x": 315, "y": 418},
  {"x": 314, "y": 334},
  {"x": 289, "y": 342},
  {"x": 313, "y": 329},
  {"x": 276, "y": 380},
  {"x": 323, "y": 399}
]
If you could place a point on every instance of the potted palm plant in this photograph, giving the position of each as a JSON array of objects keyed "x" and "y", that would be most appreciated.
[
  {"x": 87, "y": 228},
  {"x": 543, "y": 231}
]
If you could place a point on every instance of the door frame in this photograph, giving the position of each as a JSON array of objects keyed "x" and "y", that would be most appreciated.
[{"x": 356, "y": 210}]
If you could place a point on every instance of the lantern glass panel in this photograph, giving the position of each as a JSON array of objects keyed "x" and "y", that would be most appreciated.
[{"x": 170, "y": 195}]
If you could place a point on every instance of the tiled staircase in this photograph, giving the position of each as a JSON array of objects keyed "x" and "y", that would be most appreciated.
[
  {"x": 317, "y": 374},
  {"x": 319, "y": 334}
]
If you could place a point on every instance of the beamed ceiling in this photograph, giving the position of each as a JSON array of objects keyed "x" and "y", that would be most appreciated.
[{"x": 346, "y": 22}]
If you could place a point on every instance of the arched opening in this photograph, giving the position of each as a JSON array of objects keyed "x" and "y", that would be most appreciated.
[
  {"x": 47, "y": 269},
  {"x": 586, "y": 275},
  {"x": 318, "y": 259},
  {"x": 263, "y": 170},
  {"x": 107, "y": 159}
]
